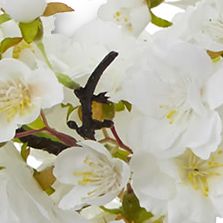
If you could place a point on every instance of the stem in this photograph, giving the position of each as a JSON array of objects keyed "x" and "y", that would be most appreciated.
[
  {"x": 68, "y": 140},
  {"x": 28, "y": 132},
  {"x": 119, "y": 141},
  {"x": 44, "y": 119}
]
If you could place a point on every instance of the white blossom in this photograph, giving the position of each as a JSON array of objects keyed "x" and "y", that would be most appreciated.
[
  {"x": 23, "y": 10},
  {"x": 132, "y": 15},
  {"x": 178, "y": 92},
  {"x": 96, "y": 177},
  {"x": 22, "y": 199},
  {"x": 23, "y": 92},
  {"x": 201, "y": 25},
  {"x": 185, "y": 188}
]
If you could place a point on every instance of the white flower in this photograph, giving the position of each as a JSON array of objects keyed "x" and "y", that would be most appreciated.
[
  {"x": 23, "y": 10},
  {"x": 201, "y": 25},
  {"x": 186, "y": 189},
  {"x": 23, "y": 92},
  {"x": 22, "y": 199},
  {"x": 78, "y": 56},
  {"x": 178, "y": 92},
  {"x": 97, "y": 178},
  {"x": 182, "y": 3},
  {"x": 132, "y": 15}
]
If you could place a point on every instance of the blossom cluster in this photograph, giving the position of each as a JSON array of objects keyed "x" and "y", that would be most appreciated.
[{"x": 111, "y": 124}]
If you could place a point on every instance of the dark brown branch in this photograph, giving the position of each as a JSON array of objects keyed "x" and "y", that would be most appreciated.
[
  {"x": 42, "y": 143},
  {"x": 86, "y": 96}
]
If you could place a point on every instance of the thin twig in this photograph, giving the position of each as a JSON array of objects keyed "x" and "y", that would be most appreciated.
[{"x": 119, "y": 141}]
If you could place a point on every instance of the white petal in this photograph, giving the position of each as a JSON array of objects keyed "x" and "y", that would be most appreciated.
[
  {"x": 190, "y": 206},
  {"x": 149, "y": 180},
  {"x": 213, "y": 90},
  {"x": 67, "y": 162},
  {"x": 204, "y": 134},
  {"x": 24, "y": 10}
]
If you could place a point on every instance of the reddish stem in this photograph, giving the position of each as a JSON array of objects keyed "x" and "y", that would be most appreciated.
[
  {"x": 28, "y": 132},
  {"x": 68, "y": 140},
  {"x": 119, "y": 141}
]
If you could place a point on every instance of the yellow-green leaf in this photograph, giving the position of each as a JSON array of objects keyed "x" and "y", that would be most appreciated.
[
  {"x": 37, "y": 124},
  {"x": 159, "y": 21},
  {"x": 70, "y": 109},
  {"x": 56, "y": 7},
  {"x": 67, "y": 81},
  {"x": 132, "y": 210},
  {"x": 4, "y": 18},
  {"x": 25, "y": 151},
  {"x": 154, "y": 3},
  {"x": 8, "y": 43},
  {"x": 32, "y": 31},
  {"x": 45, "y": 178}
]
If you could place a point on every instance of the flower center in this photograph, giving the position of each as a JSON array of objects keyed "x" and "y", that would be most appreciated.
[
  {"x": 14, "y": 98},
  {"x": 198, "y": 172},
  {"x": 100, "y": 174},
  {"x": 176, "y": 106},
  {"x": 121, "y": 17}
]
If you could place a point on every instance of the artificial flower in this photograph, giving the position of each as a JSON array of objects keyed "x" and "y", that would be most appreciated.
[
  {"x": 177, "y": 99},
  {"x": 24, "y": 10},
  {"x": 96, "y": 177},
  {"x": 24, "y": 92},
  {"x": 133, "y": 15}
]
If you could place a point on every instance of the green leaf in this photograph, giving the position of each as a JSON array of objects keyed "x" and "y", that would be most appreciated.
[
  {"x": 70, "y": 109},
  {"x": 56, "y": 7},
  {"x": 4, "y": 18},
  {"x": 8, "y": 43},
  {"x": 50, "y": 190},
  {"x": 154, "y": 3},
  {"x": 119, "y": 106},
  {"x": 45, "y": 178},
  {"x": 108, "y": 111},
  {"x": 116, "y": 152},
  {"x": 159, "y": 21},
  {"x": 115, "y": 211},
  {"x": 2, "y": 167},
  {"x": 122, "y": 105},
  {"x": 32, "y": 31},
  {"x": 25, "y": 151},
  {"x": 37, "y": 124},
  {"x": 127, "y": 105},
  {"x": 67, "y": 81},
  {"x": 132, "y": 210}
]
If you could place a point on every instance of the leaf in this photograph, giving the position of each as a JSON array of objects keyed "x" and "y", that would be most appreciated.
[
  {"x": 56, "y": 7},
  {"x": 154, "y": 3},
  {"x": 215, "y": 54},
  {"x": 122, "y": 105},
  {"x": 2, "y": 167},
  {"x": 25, "y": 151},
  {"x": 8, "y": 43},
  {"x": 115, "y": 211},
  {"x": 159, "y": 21},
  {"x": 70, "y": 109},
  {"x": 108, "y": 111},
  {"x": 31, "y": 31},
  {"x": 45, "y": 178},
  {"x": 4, "y": 18},
  {"x": 132, "y": 210},
  {"x": 67, "y": 81},
  {"x": 37, "y": 124},
  {"x": 119, "y": 153}
]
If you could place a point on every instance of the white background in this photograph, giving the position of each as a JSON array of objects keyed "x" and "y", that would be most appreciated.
[{"x": 85, "y": 10}]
